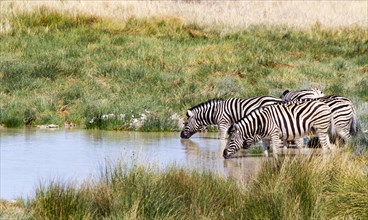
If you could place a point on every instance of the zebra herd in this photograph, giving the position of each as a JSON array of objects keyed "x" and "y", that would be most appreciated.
[{"x": 291, "y": 117}]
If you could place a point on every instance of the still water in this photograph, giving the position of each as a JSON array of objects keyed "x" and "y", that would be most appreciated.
[{"x": 33, "y": 156}]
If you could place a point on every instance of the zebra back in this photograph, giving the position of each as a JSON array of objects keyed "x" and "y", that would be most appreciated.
[
  {"x": 206, "y": 111},
  {"x": 343, "y": 112},
  {"x": 222, "y": 112},
  {"x": 301, "y": 94},
  {"x": 294, "y": 119},
  {"x": 235, "y": 109}
]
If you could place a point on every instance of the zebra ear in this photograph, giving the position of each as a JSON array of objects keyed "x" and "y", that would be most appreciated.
[
  {"x": 233, "y": 129},
  {"x": 236, "y": 128},
  {"x": 189, "y": 113},
  {"x": 319, "y": 92},
  {"x": 284, "y": 93}
]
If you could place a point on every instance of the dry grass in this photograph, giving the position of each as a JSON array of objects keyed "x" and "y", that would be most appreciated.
[
  {"x": 225, "y": 15},
  {"x": 12, "y": 209}
]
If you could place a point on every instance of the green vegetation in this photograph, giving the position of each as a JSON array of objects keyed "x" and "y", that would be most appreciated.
[
  {"x": 61, "y": 67},
  {"x": 301, "y": 187}
]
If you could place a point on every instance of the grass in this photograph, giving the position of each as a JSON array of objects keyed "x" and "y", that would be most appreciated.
[
  {"x": 58, "y": 67},
  {"x": 300, "y": 187}
]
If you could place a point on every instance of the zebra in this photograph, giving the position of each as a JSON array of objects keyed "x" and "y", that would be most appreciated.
[
  {"x": 288, "y": 121},
  {"x": 222, "y": 113},
  {"x": 344, "y": 115},
  {"x": 301, "y": 94},
  {"x": 342, "y": 109}
]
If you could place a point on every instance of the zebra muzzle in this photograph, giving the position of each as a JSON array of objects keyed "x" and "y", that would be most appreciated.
[
  {"x": 226, "y": 154},
  {"x": 185, "y": 135}
]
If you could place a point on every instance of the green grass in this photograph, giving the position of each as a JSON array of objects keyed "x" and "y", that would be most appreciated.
[
  {"x": 295, "y": 187},
  {"x": 61, "y": 67}
]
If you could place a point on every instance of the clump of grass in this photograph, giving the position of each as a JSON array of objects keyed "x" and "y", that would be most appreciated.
[
  {"x": 288, "y": 188},
  {"x": 61, "y": 200},
  {"x": 347, "y": 196},
  {"x": 46, "y": 19},
  {"x": 137, "y": 193},
  {"x": 309, "y": 184}
]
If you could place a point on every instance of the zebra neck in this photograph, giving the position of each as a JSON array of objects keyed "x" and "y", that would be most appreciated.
[
  {"x": 210, "y": 116},
  {"x": 261, "y": 124}
]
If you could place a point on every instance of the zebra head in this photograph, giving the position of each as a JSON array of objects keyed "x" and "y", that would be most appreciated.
[
  {"x": 241, "y": 135},
  {"x": 235, "y": 141},
  {"x": 191, "y": 126},
  {"x": 200, "y": 116}
]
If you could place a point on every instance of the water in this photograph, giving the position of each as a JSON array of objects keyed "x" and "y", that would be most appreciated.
[{"x": 33, "y": 156}]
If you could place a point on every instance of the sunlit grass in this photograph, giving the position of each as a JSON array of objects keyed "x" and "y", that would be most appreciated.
[{"x": 223, "y": 15}]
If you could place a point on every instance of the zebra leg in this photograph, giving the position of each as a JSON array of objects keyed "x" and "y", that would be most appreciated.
[
  {"x": 342, "y": 137},
  {"x": 222, "y": 135},
  {"x": 299, "y": 143},
  {"x": 266, "y": 142},
  {"x": 276, "y": 143},
  {"x": 223, "y": 131},
  {"x": 222, "y": 145},
  {"x": 324, "y": 140}
]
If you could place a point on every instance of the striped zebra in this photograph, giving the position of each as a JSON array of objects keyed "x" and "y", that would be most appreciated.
[
  {"x": 222, "y": 113},
  {"x": 288, "y": 121},
  {"x": 343, "y": 113},
  {"x": 301, "y": 94}
]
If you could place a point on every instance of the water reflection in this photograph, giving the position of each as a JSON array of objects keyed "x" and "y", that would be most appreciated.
[
  {"x": 29, "y": 156},
  {"x": 209, "y": 156}
]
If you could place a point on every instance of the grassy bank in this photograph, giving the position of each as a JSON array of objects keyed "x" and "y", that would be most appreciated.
[
  {"x": 144, "y": 73},
  {"x": 308, "y": 187}
]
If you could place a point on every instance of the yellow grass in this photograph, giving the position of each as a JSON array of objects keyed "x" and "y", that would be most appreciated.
[{"x": 225, "y": 15}]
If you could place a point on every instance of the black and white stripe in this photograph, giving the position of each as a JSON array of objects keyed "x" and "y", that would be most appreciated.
[
  {"x": 342, "y": 110},
  {"x": 301, "y": 94},
  {"x": 344, "y": 115},
  {"x": 289, "y": 121},
  {"x": 222, "y": 113}
]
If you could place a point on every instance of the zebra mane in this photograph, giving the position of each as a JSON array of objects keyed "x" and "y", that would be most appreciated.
[
  {"x": 208, "y": 103},
  {"x": 329, "y": 97}
]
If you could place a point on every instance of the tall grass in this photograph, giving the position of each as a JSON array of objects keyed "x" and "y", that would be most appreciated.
[
  {"x": 136, "y": 193},
  {"x": 300, "y": 187},
  {"x": 224, "y": 15},
  {"x": 58, "y": 67}
]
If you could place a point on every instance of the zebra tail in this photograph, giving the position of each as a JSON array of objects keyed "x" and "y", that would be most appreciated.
[
  {"x": 332, "y": 131},
  {"x": 354, "y": 125}
]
